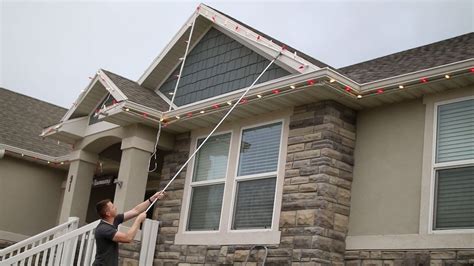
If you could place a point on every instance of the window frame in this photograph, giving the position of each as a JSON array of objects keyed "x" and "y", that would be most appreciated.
[
  {"x": 236, "y": 178},
  {"x": 193, "y": 184},
  {"x": 435, "y": 167},
  {"x": 225, "y": 236}
]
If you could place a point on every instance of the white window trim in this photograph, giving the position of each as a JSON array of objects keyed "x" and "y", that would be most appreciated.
[
  {"x": 236, "y": 179},
  {"x": 225, "y": 236},
  {"x": 193, "y": 184},
  {"x": 440, "y": 166}
]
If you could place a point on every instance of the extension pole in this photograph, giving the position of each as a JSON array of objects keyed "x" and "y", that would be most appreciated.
[{"x": 215, "y": 128}]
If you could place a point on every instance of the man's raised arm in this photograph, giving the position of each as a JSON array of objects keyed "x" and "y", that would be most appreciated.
[{"x": 142, "y": 206}]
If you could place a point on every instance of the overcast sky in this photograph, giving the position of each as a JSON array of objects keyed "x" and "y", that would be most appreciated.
[{"x": 50, "y": 48}]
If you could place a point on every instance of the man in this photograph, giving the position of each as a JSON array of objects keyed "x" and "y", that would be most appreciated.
[{"x": 107, "y": 236}]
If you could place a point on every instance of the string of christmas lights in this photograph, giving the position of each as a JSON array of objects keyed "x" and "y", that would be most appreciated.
[
  {"x": 251, "y": 36},
  {"x": 355, "y": 93},
  {"x": 37, "y": 158}
]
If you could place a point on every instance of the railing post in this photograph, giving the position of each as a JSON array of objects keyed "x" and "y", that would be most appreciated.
[{"x": 148, "y": 242}]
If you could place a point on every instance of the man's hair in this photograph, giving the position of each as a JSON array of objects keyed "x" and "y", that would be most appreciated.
[{"x": 101, "y": 207}]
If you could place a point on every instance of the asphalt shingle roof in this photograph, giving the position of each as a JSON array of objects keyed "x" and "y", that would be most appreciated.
[
  {"x": 436, "y": 54},
  {"x": 137, "y": 93},
  {"x": 23, "y": 119}
]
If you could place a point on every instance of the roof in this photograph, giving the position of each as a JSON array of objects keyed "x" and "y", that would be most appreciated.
[
  {"x": 137, "y": 93},
  {"x": 22, "y": 120},
  {"x": 436, "y": 54},
  {"x": 289, "y": 48}
]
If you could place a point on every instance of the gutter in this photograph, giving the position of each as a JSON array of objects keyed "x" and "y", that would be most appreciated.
[
  {"x": 322, "y": 77},
  {"x": 337, "y": 80},
  {"x": 416, "y": 75},
  {"x": 34, "y": 156}
]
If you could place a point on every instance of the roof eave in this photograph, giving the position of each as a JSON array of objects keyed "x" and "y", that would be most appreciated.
[
  {"x": 349, "y": 90},
  {"x": 111, "y": 88},
  {"x": 418, "y": 75},
  {"x": 35, "y": 157}
]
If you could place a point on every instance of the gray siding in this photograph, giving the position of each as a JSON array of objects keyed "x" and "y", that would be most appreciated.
[{"x": 217, "y": 65}]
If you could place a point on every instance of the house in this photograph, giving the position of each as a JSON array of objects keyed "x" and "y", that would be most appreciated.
[
  {"x": 31, "y": 174},
  {"x": 370, "y": 164}
]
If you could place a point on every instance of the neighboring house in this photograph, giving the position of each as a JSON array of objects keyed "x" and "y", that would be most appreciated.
[
  {"x": 31, "y": 173},
  {"x": 368, "y": 164}
]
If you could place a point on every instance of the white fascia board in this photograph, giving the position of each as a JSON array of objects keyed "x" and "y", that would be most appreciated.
[
  {"x": 168, "y": 101},
  {"x": 74, "y": 127},
  {"x": 277, "y": 83},
  {"x": 260, "y": 43},
  {"x": 416, "y": 75},
  {"x": 110, "y": 110},
  {"x": 134, "y": 107},
  {"x": 101, "y": 77},
  {"x": 111, "y": 87},
  {"x": 80, "y": 98},
  {"x": 144, "y": 109},
  {"x": 299, "y": 78},
  {"x": 167, "y": 48},
  {"x": 51, "y": 130},
  {"x": 341, "y": 79},
  {"x": 33, "y": 154}
]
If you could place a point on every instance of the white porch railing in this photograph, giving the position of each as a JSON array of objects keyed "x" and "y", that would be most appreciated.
[
  {"x": 39, "y": 239},
  {"x": 78, "y": 248},
  {"x": 61, "y": 250},
  {"x": 149, "y": 234}
]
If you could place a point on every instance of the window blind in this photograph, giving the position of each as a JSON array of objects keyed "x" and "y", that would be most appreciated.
[
  {"x": 254, "y": 206},
  {"x": 455, "y": 198},
  {"x": 206, "y": 208},
  {"x": 455, "y": 134},
  {"x": 259, "y": 149}
]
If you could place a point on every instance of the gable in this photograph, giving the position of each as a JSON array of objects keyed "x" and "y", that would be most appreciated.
[
  {"x": 107, "y": 101},
  {"x": 218, "y": 64}
]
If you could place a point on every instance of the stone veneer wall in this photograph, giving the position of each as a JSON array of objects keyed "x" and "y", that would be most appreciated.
[
  {"x": 316, "y": 196},
  {"x": 316, "y": 200},
  {"x": 129, "y": 254},
  {"x": 412, "y": 257}
]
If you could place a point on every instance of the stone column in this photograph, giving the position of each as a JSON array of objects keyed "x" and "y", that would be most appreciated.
[
  {"x": 133, "y": 172},
  {"x": 317, "y": 188},
  {"x": 78, "y": 186}
]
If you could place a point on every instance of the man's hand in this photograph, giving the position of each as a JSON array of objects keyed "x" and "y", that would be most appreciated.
[
  {"x": 158, "y": 195},
  {"x": 142, "y": 206},
  {"x": 141, "y": 217}
]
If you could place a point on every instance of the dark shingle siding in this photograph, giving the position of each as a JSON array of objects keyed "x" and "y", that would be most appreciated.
[
  {"x": 289, "y": 48},
  {"x": 217, "y": 65},
  {"x": 22, "y": 120},
  {"x": 423, "y": 57},
  {"x": 136, "y": 93}
]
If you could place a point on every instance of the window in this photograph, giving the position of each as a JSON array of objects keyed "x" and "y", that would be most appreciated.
[
  {"x": 454, "y": 166},
  {"x": 208, "y": 183},
  {"x": 256, "y": 177},
  {"x": 230, "y": 193}
]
